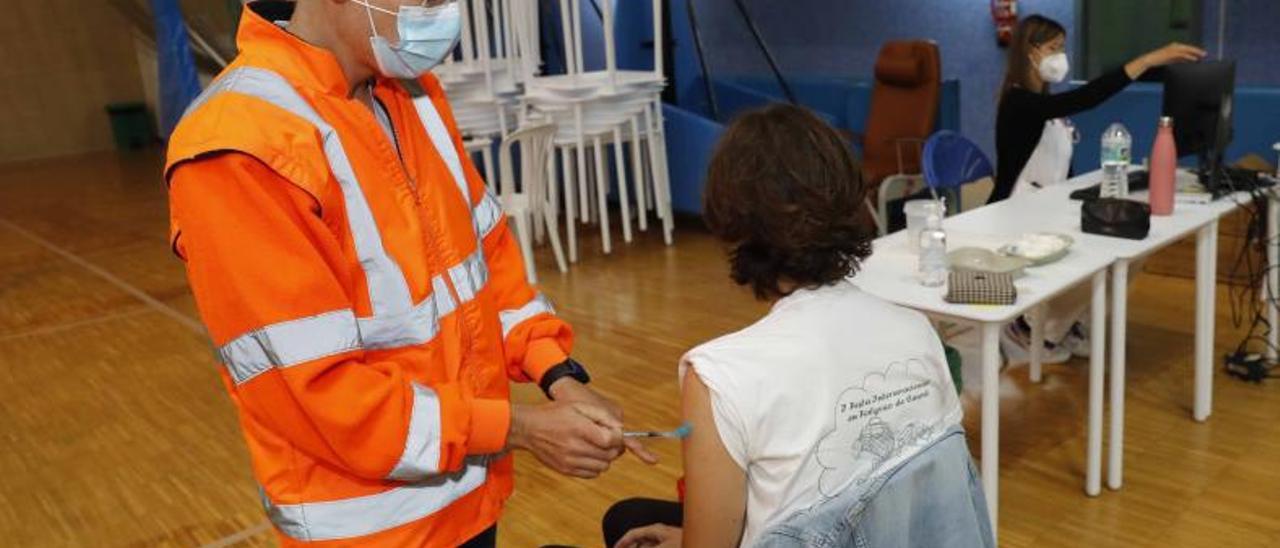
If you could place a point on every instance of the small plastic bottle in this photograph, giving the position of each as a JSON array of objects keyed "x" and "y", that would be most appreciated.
[
  {"x": 1115, "y": 161},
  {"x": 1164, "y": 162},
  {"x": 933, "y": 253}
]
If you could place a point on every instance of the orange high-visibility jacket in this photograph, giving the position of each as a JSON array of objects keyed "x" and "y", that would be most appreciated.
[{"x": 363, "y": 292}]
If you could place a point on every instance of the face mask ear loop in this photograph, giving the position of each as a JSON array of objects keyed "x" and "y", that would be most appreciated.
[{"x": 368, "y": 10}]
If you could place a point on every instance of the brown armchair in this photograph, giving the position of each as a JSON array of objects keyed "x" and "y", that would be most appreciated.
[{"x": 904, "y": 109}]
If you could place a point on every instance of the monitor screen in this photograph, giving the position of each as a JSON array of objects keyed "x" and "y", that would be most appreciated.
[{"x": 1198, "y": 96}]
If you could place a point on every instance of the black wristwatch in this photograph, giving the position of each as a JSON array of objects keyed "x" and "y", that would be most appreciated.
[{"x": 567, "y": 368}]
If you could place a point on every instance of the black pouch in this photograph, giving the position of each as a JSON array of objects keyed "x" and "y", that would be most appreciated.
[{"x": 1115, "y": 217}]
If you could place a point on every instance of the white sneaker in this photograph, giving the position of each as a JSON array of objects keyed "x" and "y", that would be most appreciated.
[
  {"x": 1016, "y": 347},
  {"x": 1077, "y": 341}
]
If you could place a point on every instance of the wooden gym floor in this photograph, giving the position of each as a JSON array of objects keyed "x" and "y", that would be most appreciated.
[{"x": 116, "y": 431}]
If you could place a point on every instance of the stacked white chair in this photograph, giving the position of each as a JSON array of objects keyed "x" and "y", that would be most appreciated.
[
  {"x": 613, "y": 106},
  {"x": 495, "y": 84},
  {"x": 484, "y": 83}
]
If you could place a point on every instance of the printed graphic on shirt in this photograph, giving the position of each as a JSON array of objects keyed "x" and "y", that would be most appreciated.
[{"x": 888, "y": 414}]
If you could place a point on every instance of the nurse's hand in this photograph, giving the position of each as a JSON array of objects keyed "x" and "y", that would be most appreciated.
[
  {"x": 570, "y": 390},
  {"x": 574, "y": 439},
  {"x": 1175, "y": 52}
]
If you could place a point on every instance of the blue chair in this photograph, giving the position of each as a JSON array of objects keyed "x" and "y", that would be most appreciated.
[{"x": 952, "y": 161}]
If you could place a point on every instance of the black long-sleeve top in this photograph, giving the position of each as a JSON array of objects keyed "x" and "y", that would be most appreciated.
[{"x": 1021, "y": 116}]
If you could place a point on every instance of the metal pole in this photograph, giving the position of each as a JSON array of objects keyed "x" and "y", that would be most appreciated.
[
  {"x": 702, "y": 61},
  {"x": 768, "y": 55}
]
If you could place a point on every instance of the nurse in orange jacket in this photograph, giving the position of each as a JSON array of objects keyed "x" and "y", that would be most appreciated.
[{"x": 365, "y": 296}]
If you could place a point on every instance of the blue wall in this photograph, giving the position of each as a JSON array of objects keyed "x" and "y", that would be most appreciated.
[
  {"x": 823, "y": 41},
  {"x": 1251, "y": 38},
  {"x": 844, "y": 104},
  {"x": 840, "y": 39}
]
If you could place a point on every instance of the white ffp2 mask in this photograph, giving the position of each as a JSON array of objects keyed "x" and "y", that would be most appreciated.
[{"x": 1053, "y": 69}]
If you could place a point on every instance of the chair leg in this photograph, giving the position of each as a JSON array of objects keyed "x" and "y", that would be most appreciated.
[
  {"x": 539, "y": 232},
  {"x": 502, "y": 122},
  {"x": 593, "y": 158},
  {"x": 524, "y": 236},
  {"x": 537, "y": 196},
  {"x": 647, "y": 164},
  {"x": 637, "y": 176},
  {"x": 882, "y": 209},
  {"x": 619, "y": 159},
  {"x": 651, "y": 147},
  {"x": 570, "y": 201},
  {"x": 553, "y": 234},
  {"x": 490, "y": 176},
  {"x": 540, "y": 193},
  {"x": 584, "y": 206},
  {"x": 662, "y": 181},
  {"x": 881, "y": 227},
  {"x": 600, "y": 196}
]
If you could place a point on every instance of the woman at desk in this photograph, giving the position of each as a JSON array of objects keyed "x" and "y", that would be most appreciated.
[{"x": 1034, "y": 141}]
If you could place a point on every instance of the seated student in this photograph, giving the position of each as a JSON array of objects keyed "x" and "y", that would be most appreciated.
[
  {"x": 832, "y": 397},
  {"x": 1034, "y": 144}
]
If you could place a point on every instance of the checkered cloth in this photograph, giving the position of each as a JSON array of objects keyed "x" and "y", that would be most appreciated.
[{"x": 973, "y": 287}]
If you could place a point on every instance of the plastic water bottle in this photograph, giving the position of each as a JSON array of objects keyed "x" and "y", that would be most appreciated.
[
  {"x": 1115, "y": 161},
  {"x": 933, "y": 253}
]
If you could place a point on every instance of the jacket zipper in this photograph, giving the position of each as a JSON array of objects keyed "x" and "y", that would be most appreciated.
[{"x": 467, "y": 341}]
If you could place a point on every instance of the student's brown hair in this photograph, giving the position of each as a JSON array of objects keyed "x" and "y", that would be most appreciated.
[
  {"x": 1032, "y": 32},
  {"x": 784, "y": 190}
]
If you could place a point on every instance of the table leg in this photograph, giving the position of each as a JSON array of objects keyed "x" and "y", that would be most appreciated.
[
  {"x": 1036, "y": 318},
  {"x": 1119, "y": 330},
  {"x": 991, "y": 419},
  {"x": 1098, "y": 338},
  {"x": 1206, "y": 278},
  {"x": 1273, "y": 278}
]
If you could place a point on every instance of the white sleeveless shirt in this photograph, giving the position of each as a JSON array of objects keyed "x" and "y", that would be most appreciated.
[{"x": 833, "y": 387}]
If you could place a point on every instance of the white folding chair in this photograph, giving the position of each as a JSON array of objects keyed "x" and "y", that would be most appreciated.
[{"x": 533, "y": 199}]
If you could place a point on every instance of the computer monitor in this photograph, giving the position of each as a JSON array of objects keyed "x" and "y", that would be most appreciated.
[{"x": 1199, "y": 97}]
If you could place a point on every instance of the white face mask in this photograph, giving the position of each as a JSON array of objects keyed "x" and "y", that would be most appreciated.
[
  {"x": 427, "y": 36},
  {"x": 1053, "y": 69}
]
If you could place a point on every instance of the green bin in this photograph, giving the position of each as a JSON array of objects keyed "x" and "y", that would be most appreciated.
[{"x": 131, "y": 125}]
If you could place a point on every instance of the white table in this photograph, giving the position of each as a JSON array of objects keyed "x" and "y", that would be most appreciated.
[
  {"x": 1051, "y": 210},
  {"x": 889, "y": 274}
]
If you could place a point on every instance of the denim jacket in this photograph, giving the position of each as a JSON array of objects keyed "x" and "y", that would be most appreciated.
[{"x": 933, "y": 499}]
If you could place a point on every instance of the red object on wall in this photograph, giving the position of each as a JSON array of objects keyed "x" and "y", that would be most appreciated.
[{"x": 1005, "y": 15}]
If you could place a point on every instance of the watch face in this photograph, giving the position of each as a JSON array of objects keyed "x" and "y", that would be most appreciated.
[{"x": 577, "y": 371}]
